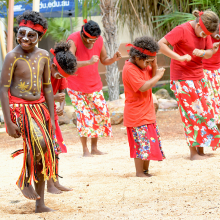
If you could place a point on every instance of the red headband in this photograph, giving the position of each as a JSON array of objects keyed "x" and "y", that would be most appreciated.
[
  {"x": 202, "y": 24},
  {"x": 60, "y": 70},
  {"x": 144, "y": 51},
  {"x": 86, "y": 33},
  {"x": 30, "y": 24}
]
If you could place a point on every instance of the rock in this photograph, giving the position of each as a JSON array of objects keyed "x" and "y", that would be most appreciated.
[
  {"x": 166, "y": 104},
  {"x": 69, "y": 110},
  {"x": 63, "y": 120},
  {"x": 74, "y": 119},
  {"x": 156, "y": 106},
  {"x": 67, "y": 115},
  {"x": 116, "y": 111},
  {"x": 162, "y": 94},
  {"x": 122, "y": 96}
]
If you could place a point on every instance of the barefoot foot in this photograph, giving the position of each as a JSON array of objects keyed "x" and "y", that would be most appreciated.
[
  {"x": 87, "y": 154},
  {"x": 29, "y": 192},
  {"x": 142, "y": 175},
  {"x": 197, "y": 157},
  {"x": 97, "y": 152},
  {"x": 61, "y": 188},
  {"x": 43, "y": 208},
  {"x": 53, "y": 190}
]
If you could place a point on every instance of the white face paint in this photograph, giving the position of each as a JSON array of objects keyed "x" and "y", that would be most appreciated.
[
  {"x": 217, "y": 36},
  {"x": 202, "y": 34},
  {"x": 27, "y": 29},
  {"x": 57, "y": 73}
]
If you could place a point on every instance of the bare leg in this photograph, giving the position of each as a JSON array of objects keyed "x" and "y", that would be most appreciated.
[
  {"x": 86, "y": 152},
  {"x": 39, "y": 187},
  {"x": 200, "y": 151},
  {"x": 28, "y": 190},
  {"x": 194, "y": 154},
  {"x": 51, "y": 187},
  {"x": 139, "y": 165},
  {"x": 94, "y": 150},
  {"x": 57, "y": 184},
  {"x": 146, "y": 168}
]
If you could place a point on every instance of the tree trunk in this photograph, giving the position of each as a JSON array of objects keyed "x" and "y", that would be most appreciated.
[{"x": 109, "y": 12}]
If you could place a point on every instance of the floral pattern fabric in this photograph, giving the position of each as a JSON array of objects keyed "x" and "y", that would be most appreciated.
[
  {"x": 92, "y": 114},
  {"x": 145, "y": 142},
  {"x": 213, "y": 78},
  {"x": 196, "y": 112}
]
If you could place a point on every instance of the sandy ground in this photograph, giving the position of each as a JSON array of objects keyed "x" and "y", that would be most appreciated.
[{"x": 105, "y": 187}]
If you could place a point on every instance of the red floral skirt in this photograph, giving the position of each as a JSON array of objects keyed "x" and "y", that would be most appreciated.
[
  {"x": 145, "y": 143},
  {"x": 196, "y": 112},
  {"x": 213, "y": 78}
]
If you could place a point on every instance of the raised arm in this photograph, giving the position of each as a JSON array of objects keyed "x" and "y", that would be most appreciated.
[
  {"x": 5, "y": 83},
  {"x": 152, "y": 82},
  {"x": 164, "y": 48},
  {"x": 105, "y": 60},
  {"x": 93, "y": 59},
  {"x": 48, "y": 90}
]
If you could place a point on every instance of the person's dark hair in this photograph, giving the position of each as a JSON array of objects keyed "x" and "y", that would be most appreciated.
[
  {"x": 209, "y": 18},
  {"x": 92, "y": 28},
  {"x": 65, "y": 58},
  {"x": 144, "y": 42},
  {"x": 35, "y": 17}
]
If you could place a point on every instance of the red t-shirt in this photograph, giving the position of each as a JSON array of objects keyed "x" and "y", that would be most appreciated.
[
  {"x": 214, "y": 62},
  {"x": 57, "y": 84},
  {"x": 184, "y": 41},
  {"x": 87, "y": 78},
  {"x": 139, "y": 107}
]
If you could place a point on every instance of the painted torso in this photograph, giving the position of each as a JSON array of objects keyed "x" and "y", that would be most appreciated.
[{"x": 26, "y": 73}]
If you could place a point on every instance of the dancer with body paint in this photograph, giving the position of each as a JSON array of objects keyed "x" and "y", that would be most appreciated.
[
  {"x": 139, "y": 75},
  {"x": 191, "y": 44},
  {"x": 27, "y": 112},
  {"x": 85, "y": 87},
  {"x": 62, "y": 65}
]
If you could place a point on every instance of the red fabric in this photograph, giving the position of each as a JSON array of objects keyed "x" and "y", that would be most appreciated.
[
  {"x": 30, "y": 24},
  {"x": 202, "y": 25},
  {"x": 155, "y": 152},
  {"x": 87, "y": 78},
  {"x": 57, "y": 84},
  {"x": 214, "y": 62},
  {"x": 16, "y": 100},
  {"x": 184, "y": 41},
  {"x": 144, "y": 51},
  {"x": 139, "y": 107},
  {"x": 60, "y": 138}
]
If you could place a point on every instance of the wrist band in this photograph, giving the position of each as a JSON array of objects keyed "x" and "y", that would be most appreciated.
[{"x": 203, "y": 53}]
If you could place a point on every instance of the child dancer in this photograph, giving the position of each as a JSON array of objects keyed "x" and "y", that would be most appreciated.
[
  {"x": 191, "y": 43},
  {"x": 26, "y": 111},
  {"x": 139, "y": 114},
  {"x": 63, "y": 64}
]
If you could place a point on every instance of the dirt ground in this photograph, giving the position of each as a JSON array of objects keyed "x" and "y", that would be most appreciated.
[{"x": 105, "y": 187}]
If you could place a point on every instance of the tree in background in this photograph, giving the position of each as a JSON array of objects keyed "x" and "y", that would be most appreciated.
[{"x": 109, "y": 11}]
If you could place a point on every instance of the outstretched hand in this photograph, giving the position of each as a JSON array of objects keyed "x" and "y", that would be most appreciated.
[{"x": 117, "y": 56}]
